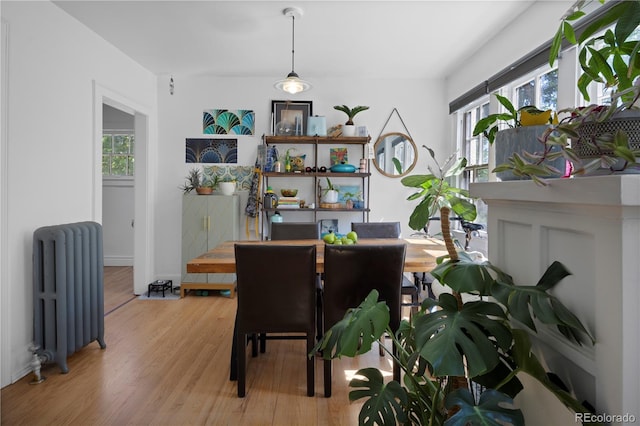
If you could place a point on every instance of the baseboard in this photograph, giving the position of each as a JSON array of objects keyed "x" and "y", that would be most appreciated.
[{"x": 118, "y": 261}]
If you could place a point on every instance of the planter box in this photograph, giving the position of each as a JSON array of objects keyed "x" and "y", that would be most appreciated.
[
  {"x": 518, "y": 140},
  {"x": 585, "y": 147}
]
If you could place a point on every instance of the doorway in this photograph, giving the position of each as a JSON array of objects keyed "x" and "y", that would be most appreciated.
[
  {"x": 118, "y": 185},
  {"x": 142, "y": 252}
]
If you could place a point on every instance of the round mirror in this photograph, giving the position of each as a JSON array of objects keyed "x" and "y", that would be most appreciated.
[{"x": 394, "y": 154}]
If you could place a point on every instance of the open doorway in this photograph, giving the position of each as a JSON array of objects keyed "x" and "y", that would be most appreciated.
[
  {"x": 118, "y": 186},
  {"x": 142, "y": 237}
]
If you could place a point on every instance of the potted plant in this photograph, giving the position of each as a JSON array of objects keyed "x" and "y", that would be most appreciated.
[
  {"x": 349, "y": 129},
  {"x": 526, "y": 126},
  {"x": 330, "y": 193},
  {"x": 450, "y": 346},
  {"x": 227, "y": 186},
  {"x": 597, "y": 138},
  {"x": 194, "y": 181}
]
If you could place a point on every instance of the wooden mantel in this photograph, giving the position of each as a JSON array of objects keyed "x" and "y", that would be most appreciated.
[{"x": 592, "y": 225}]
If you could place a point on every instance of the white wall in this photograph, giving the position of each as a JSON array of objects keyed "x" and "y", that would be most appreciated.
[
  {"x": 419, "y": 102},
  {"x": 53, "y": 64},
  {"x": 530, "y": 30}
]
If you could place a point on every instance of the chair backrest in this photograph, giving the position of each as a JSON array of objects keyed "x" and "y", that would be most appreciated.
[
  {"x": 351, "y": 272},
  {"x": 276, "y": 287},
  {"x": 295, "y": 231},
  {"x": 376, "y": 229}
]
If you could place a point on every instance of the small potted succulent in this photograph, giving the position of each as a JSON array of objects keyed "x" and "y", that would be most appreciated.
[
  {"x": 194, "y": 180},
  {"x": 349, "y": 129}
]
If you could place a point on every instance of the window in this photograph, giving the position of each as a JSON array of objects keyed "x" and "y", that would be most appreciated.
[
  {"x": 476, "y": 150},
  {"x": 539, "y": 88},
  {"x": 541, "y": 91},
  {"x": 117, "y": 153}
]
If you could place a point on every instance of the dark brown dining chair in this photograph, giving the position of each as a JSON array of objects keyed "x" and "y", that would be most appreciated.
[
  {"x": 299, "y": 231},
  {"x": 295, "y": 231},
  {"x": 389, "y": 230},
  {"x": 273, "y": 302},
  {"x": 350, "y": 273}
]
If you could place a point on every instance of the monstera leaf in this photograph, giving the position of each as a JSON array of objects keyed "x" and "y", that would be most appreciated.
[
  {"x": 545, "y": 307},
  {"x": 476, "y": 332},
  {"x": 386, "y": 402},
  {"x": 465, "y": 275},
  {"x": 359, "y": 328},
  {"x": 491, "y": 409}
]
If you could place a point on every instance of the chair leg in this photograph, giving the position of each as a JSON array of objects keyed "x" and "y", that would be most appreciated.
[
  {"x": 327, "y": 378},
  {"x": 233, "y": 367},
  {"x": 380, "y": 344},
  {"x": 319, "y": 314},
  {"x": 396, "y": 367},
  {"x": 311, "y": 363},
  {"x": 241, "y": 361},
  {"x": 263, "y": 343}
]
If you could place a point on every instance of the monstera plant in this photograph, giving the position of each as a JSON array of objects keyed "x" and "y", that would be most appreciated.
[{"x": 461, "y": 360}]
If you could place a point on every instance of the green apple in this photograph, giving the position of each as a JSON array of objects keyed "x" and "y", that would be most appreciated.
[
  {"x": 353, "y": 236},
  {"x": 337, "y": 242},
  {"x": 329, "y": 238}
]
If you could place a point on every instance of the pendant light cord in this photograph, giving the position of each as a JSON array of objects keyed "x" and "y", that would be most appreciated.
[{"x": 293, "y": 42}]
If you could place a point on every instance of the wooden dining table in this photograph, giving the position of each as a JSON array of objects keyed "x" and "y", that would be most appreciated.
[{"x": 420, "y": 256}]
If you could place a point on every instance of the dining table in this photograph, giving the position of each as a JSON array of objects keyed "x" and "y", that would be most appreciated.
[{"x": 420, "y": 256}]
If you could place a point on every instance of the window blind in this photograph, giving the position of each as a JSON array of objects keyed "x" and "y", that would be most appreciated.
[{"x": 526, "y": 64}]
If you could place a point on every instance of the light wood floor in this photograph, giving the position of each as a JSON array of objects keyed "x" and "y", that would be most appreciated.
[{"x": 167, "y": 363}]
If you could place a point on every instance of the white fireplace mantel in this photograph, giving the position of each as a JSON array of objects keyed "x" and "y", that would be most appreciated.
[{"x": 592, "y": 226}]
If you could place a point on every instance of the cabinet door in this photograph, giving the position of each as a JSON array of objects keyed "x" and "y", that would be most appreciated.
[
  {"x": 195, "y": 239},
  {"x": 224, "y": 211}
]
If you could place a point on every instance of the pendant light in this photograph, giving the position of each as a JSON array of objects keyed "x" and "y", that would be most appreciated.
[{"x": 293, "y": 83}]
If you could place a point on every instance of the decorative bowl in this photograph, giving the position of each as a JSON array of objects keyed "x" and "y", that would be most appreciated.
[
  {"x": 343, "y": 168},
  {"x": 289, "y": 192}
]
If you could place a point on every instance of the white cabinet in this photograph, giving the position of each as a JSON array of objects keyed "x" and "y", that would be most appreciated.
[
  {"x": 591, "y": 225},
  {"x": 207, "y": 220}
]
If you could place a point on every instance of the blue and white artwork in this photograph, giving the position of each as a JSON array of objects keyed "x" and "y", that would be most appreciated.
[
  {"x": 211, "y": 150},
  {"x": 226, "y": 122}
]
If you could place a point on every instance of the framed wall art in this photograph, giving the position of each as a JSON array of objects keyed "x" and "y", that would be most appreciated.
[
  {"x": 200, "y": 150},
  {"x": 289, "y": 118}
]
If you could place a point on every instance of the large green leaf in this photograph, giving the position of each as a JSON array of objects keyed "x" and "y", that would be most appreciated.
[
  {"x": 356, "y": 332},
  {"x": 465, "y": 276},
  {"x": 492, "y": 409},
  {"x": 386, "y": 402},
  {"x": 526, "y": 302},
  {"x": 445, "y": 336},
  {"x": 528, "y": 363}
]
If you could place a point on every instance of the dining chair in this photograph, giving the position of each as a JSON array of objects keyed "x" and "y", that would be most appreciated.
[
  {"x": 276, "y": 294},
  {"x": 350, "y": 273},
  {"x": 295, "y": 231},
  {"x": 299, "y": 231},
  {"x": 390, "y": 230}
]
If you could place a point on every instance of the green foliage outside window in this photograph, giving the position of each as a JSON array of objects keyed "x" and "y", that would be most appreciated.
[{"x": 117, "y": 154}]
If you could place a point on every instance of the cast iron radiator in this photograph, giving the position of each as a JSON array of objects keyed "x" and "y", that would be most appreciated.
[{"x": 68, "y": 293}]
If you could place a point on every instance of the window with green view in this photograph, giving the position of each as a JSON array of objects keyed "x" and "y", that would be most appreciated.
[{"x": 117, "y": 154}]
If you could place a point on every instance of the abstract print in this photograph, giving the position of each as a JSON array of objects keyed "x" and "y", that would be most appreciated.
[
  {"x": 225, "y": 122},
  {"x": 211, "y": 150}
]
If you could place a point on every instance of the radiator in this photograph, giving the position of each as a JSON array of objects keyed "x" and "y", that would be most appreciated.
[{"x": 68, "y": 292}]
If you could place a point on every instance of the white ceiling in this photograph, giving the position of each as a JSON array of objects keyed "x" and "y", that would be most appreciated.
[{"x": 413, "y": 39}]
